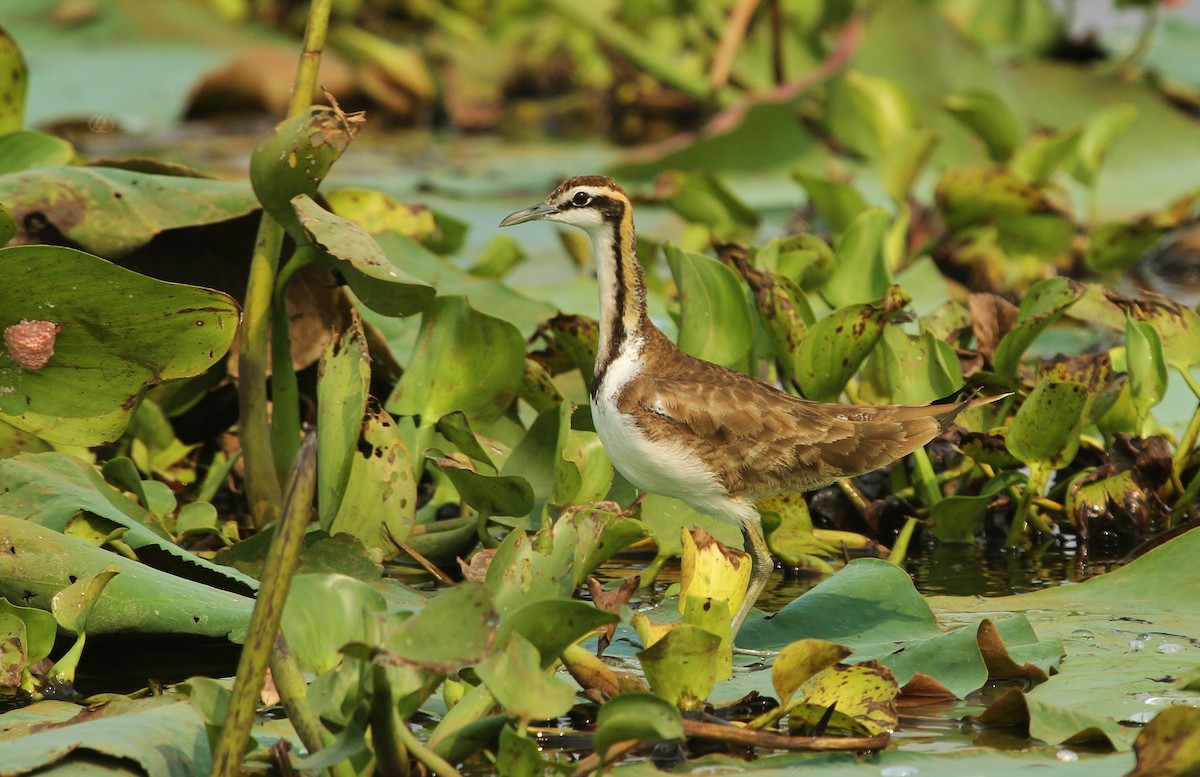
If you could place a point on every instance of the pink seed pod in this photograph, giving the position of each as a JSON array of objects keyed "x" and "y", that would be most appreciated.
[{"x": 31, "y": 343}]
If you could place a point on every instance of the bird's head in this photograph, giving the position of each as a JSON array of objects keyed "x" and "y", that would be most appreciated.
[{"x": 591, "y": 202}]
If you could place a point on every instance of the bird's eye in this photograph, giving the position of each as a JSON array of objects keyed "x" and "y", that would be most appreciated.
[{"x": 580, "y": 199}]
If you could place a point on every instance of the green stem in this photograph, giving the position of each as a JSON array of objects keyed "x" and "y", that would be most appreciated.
[
  {"x": 927, "y": 482},
  {"x": 1038, "y": 476},
  {"x": 1144, "y": 39},
  {"x": 293, "y": 692},
  {"x": 268, "y": 609},
  {"x": 262, "y": 476},
  {"x": 900, "y": 546},
  {"x": 1188, "y": 441},
  {"x": 285, "y": 390},
  {"x": 438, "y": 765}
]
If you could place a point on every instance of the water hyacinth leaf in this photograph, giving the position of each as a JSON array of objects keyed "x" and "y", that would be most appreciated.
[
  {"x": 14, "y": 661},
  {"x": 799, "y": 661},
  {"x": 52, "y": 489},
  {"x": 861, "y": 273},
  {"x": 990, "y": 118},
  {"x": 807, "y": 259},
  {"x": 838, "y": 343},
  {"x": 579, "y": 337},
  {"x": 101, "y": 319},
  {"x": 379, "y": 503},
  {"x": 1169, "y": 744},
  {"x": 343, "y": 379},
  {"x": 792, "y": 539},
  {"x": 1039, "y": 159},
  {"x": 1042, "y": 306},
  {"x": 838, "y": 203},
  {"x": 1146, "y": 365},
  {"x": 1178, "y": 326},
  {"x": 518, "y": 755},
  {"x": 700, "y": 198},
  {"x": 712, "y": 584},
  {"x": 72, "y": 607},
  {"x": 1120, "y": 245},
  {"x": 29, "y": 149},
  {"x": 487, "y": 494},
  {"x": 664, "y": 517},
  {"x": 600, "y": 535},
  {"x": 907, "y": 370},
  {"x": 515, "y": 677},
  {"x": 158, "y": 735},
  {"x": 636, "y": 716},
  {"x": 715, "y": 319},
  {"x": 903, "y": 163},
  {"x": 987, "y": 194},
  {"x": 351, "y": 250},
  {"x": 323, "y": 613},
  {"x": 680, "y": 667},
  {"x": 110, "y": 212},
  {"x": 500, "y": 256},
  {"x": 140, "y": 600},
  {"x": 956, "y": 518},
  {"x": 456, "y": 628},
  {"x": 863, "y": 697},
  {"x": 533, "y": 568},
  {"x": 884, "y": 105},
  {"x": 1100, "y": 131},
  {"x": 376, "y": 212},
  {"x": 8, "y": 225},
  {"x": 296, "y": 157},
  {"x": 464, "y": 360},
  {"x": 582, "y": 470},
  {"x": 1045, "y": 430},
  {"x": 538, "y": 388},
  {"x": 551, "y": 626},
  {"x": 457, "y": 429},
  {"x": 13, "y": 85}
]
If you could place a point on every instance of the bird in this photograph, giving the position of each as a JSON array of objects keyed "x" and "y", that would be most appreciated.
[{"x": 712, "y": 437}]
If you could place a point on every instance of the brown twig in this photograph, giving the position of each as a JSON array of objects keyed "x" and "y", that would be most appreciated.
[
  {"x": 731, "y": 41},
  {"x": 736, "y": 735}
]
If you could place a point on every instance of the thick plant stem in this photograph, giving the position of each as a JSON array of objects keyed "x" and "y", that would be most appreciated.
[
  {"x": 262, "y": 478},
  {"x": 268, "y": 609}
]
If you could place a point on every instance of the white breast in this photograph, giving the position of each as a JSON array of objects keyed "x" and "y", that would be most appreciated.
[{"x": 661, "y": 467}]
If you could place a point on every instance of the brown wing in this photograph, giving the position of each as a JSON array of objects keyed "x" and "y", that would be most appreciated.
[{"x": 761, "y": 440}]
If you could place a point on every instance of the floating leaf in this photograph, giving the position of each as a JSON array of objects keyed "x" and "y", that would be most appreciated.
[{"x": 131, "y": 330}]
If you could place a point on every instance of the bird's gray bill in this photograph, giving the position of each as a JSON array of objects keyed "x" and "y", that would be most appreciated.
[{"x": 532, "y": 213}]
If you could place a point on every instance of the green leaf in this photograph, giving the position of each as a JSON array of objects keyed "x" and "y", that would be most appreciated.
[
  {"x": 799, "y": 661},
  {"x": 861, "y": 273},
  {"x": 296, "y": 157},
  {"x": 835, "y": 347},
  {"x": 680, "y": 666},
  {"x": 636, "y": 716},
  {"x": 838, "y": 203},
  {"x": 157, "y": 735},
  {"x": 351, "y": 250},
  {"x": 51, "y": 489},
  {"x": 1100, "y": 132},
  {"x": 699, "y": 197},
  {"x": 884, "y": 105},
  {"x": 343, "y": 379},
  {"x": 1169, "y": 744},
  {"x": 904, "y": 161},
  {"x": 323, "y": 613},
  {"x": 715, "y": 320},
  {"x": 379, "y": 504},
  {"x": 1146, "y": 365},
  {"x": 14, "y": 83},
  {"x": 862, "y": 698},
  {"x": 1039, "y": 159},
  {"x": 1046, "y": 429},
  {"x": 455, "y": 629},
  {"x": 515, "y": 677},
  {"x": 956, "y": 518},
  {"x": 487, "y": 494},
  {"x": 1042, "y": 306},
  {"x": 553, "y": 625},
  {"x": 132, "y": 330},
  {"x": 37, "y": 563},
  {"x": 29, "y": 149},
  {"x": 464, "y": 360},
  {"x": 110, "y": 212},
  {"x": 8, "y": 225},
  {"x": 991, "y": 119},
  {"x": 909, "y": 370}
]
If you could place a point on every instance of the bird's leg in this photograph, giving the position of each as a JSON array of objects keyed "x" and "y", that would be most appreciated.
[{"x": 762, "y": 564}]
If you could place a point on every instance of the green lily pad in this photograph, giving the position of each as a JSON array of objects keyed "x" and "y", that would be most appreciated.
[
  {"x": 117, "y": 333},
  {"x": 37, "y": 563},
  {"x": 110, "y": 212}
]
